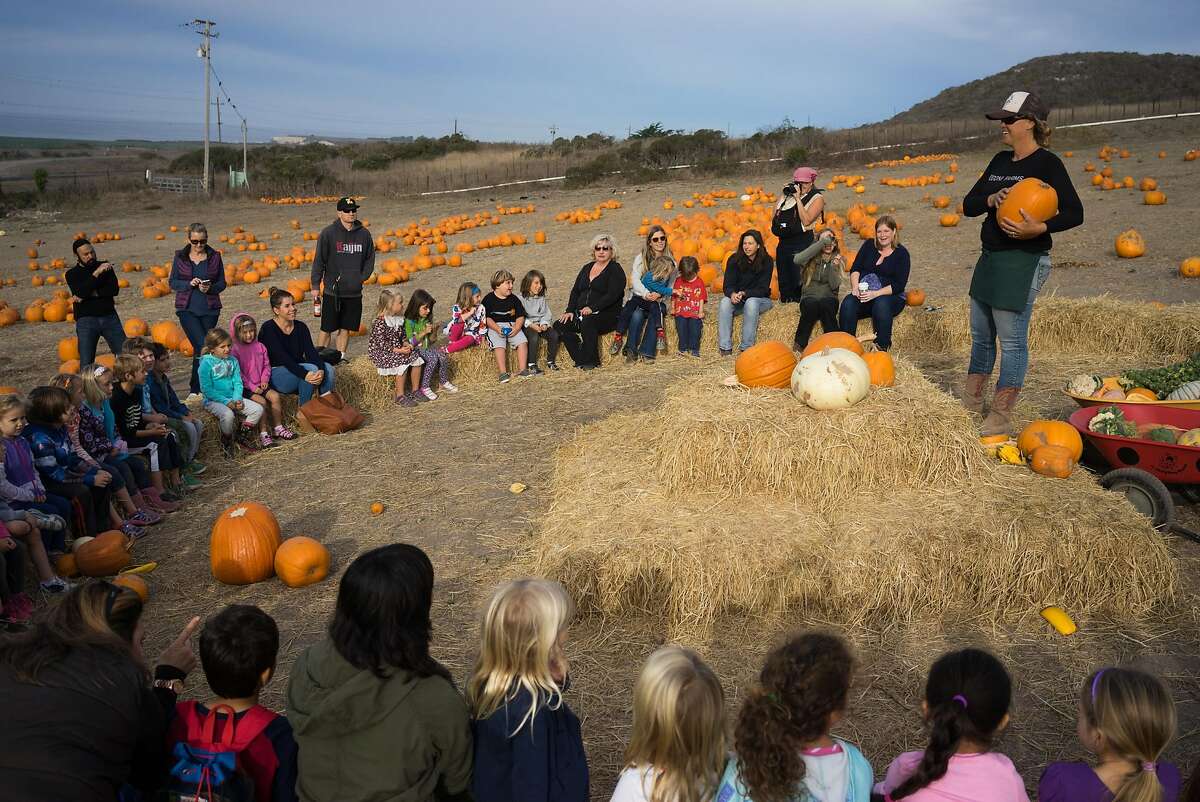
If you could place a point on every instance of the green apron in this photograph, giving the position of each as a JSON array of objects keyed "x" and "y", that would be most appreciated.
[{"x": 1002, "y": 278}]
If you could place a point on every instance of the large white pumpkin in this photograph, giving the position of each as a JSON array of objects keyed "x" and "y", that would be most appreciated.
[{"x": 834, "y": 378}]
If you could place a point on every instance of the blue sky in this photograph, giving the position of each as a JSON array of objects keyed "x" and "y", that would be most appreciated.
[{"x": 508, "y": 71}]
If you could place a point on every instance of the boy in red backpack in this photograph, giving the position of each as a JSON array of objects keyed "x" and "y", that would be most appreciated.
[{"x": 238, "y": 647}]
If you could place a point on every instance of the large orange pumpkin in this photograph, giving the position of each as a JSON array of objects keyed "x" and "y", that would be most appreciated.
[
  {"x": 1130, "y": 245},
  {"x": 883, "y": 369},
  {"x": 243, "y": 544},
  {"x": 1036, "y": 197},
  {"x": 136, "y": 327},
  {"x": 104, "y": 555},
  {"x": 1054, "y": 461},
  {"x": 301, "y": 561},
  {"x": 768, "y": 364},
  {"x": 68, "y": 349},
  {"x": 1050, "y": 433},
  {"x": 1154, "y": 198},
  {"x": 833, "y": 339}
]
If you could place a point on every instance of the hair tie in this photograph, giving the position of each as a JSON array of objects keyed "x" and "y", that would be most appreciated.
[
  {"x": 1096, "y": 684},
  {"x": 1148, "y": 765},
  {"x": 99, "y": 371},
  {"x": 962, "y": 700}
]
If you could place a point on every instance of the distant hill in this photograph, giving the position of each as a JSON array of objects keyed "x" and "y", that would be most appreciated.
[{"x": 1068, "y": 79}]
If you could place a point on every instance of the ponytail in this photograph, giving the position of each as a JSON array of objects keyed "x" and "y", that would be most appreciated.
[
  {"x": 769, "y": 765},
  {"x": 1136, "y": 715},
  {"x": 945, "y": 731}
]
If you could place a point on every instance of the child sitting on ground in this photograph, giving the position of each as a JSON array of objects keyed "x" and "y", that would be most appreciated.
[
  {"x": 221, "y": 386},
  {"x": 255, "y": 366},
  {"x": 505, "y": 325},
  {"x": 154, "y": 440},
  {"x": 967, "y": 696},
  {"x": 238, "y": 649},
  {"x": 539, "y": 322},
  {"x": 420, "y": 333},
  {"x": 688, "y": 298},
  {"x": 784, "y": 749},
  {"x": 391, "y": 352},
  {"x": 527, "y": 741},
  {"x": 677, "y": 749},
  {"x": 20, "y": 486},
  {"x": 467, "y": 319},
  {"x": 187, "y": 427},
  {"x": 1126, "y": 719}
]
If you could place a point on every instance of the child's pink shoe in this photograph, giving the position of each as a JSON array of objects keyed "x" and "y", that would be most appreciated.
[{"x": 284, "y": 433}]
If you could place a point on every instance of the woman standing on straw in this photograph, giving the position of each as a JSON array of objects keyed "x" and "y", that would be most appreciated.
[{"x": 1015, "y": 260}]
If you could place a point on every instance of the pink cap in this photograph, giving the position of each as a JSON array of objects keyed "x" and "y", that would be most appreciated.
[{"x": 805, "y": 175}]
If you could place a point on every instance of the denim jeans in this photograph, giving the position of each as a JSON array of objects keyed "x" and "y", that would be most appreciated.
[
  {"x": 644, "y": 339},
  {"x": 195, "y": 327},
  {"x": 989, "y": 324},
  {"x": 752, "y": 309},
  {"x": 285, "y": 381},
  {"x": 91, "y": 329},
  {"x": 881, "y": 310},
  {"x": 689, "y": 329}
]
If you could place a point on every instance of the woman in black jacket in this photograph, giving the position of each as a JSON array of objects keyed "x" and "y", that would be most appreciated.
[
  {"x": 747, "y": 291},
  {"x": 81, "y": 718},
  {"x": 594, "y": 304}
]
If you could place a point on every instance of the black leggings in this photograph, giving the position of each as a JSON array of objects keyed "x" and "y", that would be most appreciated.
[
  {"x": 582, "y": 337},
  {"x": 92, "y": 500},
  {"x": 812, "y": 310}
]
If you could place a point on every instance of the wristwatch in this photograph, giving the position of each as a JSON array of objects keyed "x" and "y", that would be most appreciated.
[{"x": 173, "y": 685}]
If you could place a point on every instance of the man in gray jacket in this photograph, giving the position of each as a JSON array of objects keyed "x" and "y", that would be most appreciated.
[{"x": 345, "y": 258}]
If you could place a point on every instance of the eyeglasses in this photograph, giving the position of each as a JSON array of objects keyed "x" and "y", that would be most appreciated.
[
  {"x": 199, "y": 241},
  {"x": 658, "y": 239},
  {"x": 604, "y": 247}
]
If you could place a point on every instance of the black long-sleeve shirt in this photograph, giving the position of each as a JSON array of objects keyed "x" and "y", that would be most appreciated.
[
  {"x": 1002, "y": 171},
  {"x": 605, "y": 292},
  {"x": 96, "y": 293},
  {"x": 740, "y": 278},
  {"x": 289, "y": 350}
]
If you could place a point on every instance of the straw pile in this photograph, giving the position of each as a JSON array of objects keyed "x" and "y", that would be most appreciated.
[
  {"x": 741, "y": 501},
  {"x": 1098, "y": 325}
]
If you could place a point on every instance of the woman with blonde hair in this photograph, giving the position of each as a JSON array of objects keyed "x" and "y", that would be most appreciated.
[
  {"x": 594, "y": 304},
  {"x": 677, "y": 750},
  {"x": 878, "y": 279},
  {"x": 528, "y": 746},
  {"x": 1126, "y": 719}
]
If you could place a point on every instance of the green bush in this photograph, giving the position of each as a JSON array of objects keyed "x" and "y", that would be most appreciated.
[{"x": 40, "y": 176}]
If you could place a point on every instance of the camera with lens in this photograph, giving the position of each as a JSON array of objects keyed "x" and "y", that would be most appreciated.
[{"x": 789, "y": 189}]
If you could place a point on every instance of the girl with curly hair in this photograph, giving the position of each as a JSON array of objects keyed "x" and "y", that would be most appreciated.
[{"x": 784, "y": 750}]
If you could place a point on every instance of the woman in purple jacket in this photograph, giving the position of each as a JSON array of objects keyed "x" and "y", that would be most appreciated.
[{"x": 198, "y": 278}]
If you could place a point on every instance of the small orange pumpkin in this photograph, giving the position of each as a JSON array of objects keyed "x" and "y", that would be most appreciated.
[
  {"x": 883, "y": 369},
  {"x": 914, "y": 297},
  {"x": 1053, "y": 461},
  {"x": 1050, "y": 433},
  {"x": 301, "y": 561},
  {"x": 833, "y": 339},
  {"x": 1154, "y": 198},
  {"x": 1130, "y": 245},
  {"x": 134, "y": 583},
  {"x": 377, "y": 508},
  {"x": 1190, "y": 267},
  {"x": 104, "y": 555},
  {"x": 948, "y": 220}
]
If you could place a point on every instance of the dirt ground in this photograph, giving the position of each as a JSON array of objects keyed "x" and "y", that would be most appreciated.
[{"x": 443, "y": 470}]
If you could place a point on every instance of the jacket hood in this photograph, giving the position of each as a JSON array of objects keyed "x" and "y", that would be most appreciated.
[{"x": 327, "y": 697}]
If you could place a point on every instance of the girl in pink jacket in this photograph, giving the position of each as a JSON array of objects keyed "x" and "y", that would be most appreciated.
[{"x": 256, "y": 376}]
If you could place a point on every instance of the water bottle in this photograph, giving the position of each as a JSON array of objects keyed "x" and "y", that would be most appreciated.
[{"x": 317, "y": 306}]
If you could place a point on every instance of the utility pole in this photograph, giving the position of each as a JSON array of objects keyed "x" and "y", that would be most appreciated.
[
  {"x": 456, "y": 126},
  {"x": 205, "y": 52},
  {"x": 553, "y": 133},
  {"x": 244, "y": 147},
  {"x": 219, "y": 140}
]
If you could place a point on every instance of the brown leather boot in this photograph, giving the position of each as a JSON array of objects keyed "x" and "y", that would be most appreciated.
[
  {"x": 972, "y": 396},
  {"x": 999, "y": 419}
]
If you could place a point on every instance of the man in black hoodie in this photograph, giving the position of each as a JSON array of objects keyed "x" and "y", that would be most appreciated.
[
  {"x": 94, "y": 289},
  {"x": 345, "y": 259}
]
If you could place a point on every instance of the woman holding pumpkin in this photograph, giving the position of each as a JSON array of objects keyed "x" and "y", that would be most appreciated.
[
  {"x": 1015, "y": 260},
  {"x": 197, "y": 277},
  {"x": 81, "y": 717},
  {"x": 594, "y": 304},
  {"x": 878, "y": 278}
]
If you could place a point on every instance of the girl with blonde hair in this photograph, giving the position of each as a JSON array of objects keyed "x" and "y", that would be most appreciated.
[
  {"x": 390, "y": 352},
  {"x": 528, "y": 746},
  {"x": 677, "y": 750},
  {"x": 1126, "y": 719}
]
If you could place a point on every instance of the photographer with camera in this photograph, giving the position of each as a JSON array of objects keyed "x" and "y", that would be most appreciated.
[
  {"x": 198, "y": 278},
  {"x": 799, "y": 207}
]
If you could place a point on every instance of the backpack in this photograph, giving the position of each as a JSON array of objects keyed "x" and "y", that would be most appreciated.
[{"x": 211, "y": 768}]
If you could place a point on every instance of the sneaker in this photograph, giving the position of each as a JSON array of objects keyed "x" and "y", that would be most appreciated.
[
  {"x": 615, "y": 348},
  {"x": 56, "y": 585},
  {"x": 406, "y": 401},
  {"x": 145, "y": 518},
  {"x": 631, "y": 357},
  {"x": 284, "y": 433},
  {"x": 662, "y": 341},
  {"x": 527, "y": 373},
  {"x": 552, "y": 365},
  {"x": 535, "y": 370},
  {"x": 504, "y": 378},
  {"x": 48, "y": 521},
  {"x": 196, "y": 467},
  {"x": 449, "y": 388},
  {"x": 264, "y": 439},
  {"x": 133, "y": 531},
  {"x": 419, "y": 397},
  {"x": 647, "y": 358},
  {"x": 189, "y": 482},
  {"x": 429, "y": 393},
  {"x": 726, "y": 351}
]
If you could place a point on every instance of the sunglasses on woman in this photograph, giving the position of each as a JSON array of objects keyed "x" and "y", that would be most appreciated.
[
  {"x": 658, "y": 239},
  {"x": 199, "y": 241},
  {"x": 604, "y": 247}
]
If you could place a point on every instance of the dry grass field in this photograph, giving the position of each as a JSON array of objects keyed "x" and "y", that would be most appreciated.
[{"x": 443, "y": 470}]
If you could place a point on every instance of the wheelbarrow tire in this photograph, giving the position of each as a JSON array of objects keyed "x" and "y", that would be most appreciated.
[{"x": 1145, "y": 492}]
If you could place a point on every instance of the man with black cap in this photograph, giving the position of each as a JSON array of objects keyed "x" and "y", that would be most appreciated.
[
  {"x": 345, "y": 258},
  {"x": 94, "y": 289}
]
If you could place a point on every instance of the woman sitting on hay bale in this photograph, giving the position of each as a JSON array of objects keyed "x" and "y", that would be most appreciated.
[
  {"x": 296, "y": 367},
  {"x": 882, "y": 265},
  {"x": 1015, "y": 260},
  {"x": 747, "y": 291},
  {"x": 594, "y": 304}
]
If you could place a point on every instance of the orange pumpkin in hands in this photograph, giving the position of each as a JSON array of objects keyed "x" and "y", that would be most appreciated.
[{"x": 1037, "y": 198}]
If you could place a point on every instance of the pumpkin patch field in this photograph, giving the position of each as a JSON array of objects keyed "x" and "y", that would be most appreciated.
[{"x": 672, "y": 505}]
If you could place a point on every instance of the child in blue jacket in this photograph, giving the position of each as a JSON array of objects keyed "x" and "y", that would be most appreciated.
[{"x": 221, "y": 386}]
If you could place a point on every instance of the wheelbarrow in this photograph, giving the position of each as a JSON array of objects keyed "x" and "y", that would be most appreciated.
[{"x": 1146, "y": 471}]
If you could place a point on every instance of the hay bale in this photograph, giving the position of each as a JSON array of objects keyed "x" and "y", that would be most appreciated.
[
  {"x": 478, "y": 364},
  {"x": 920, "y": 536}
]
